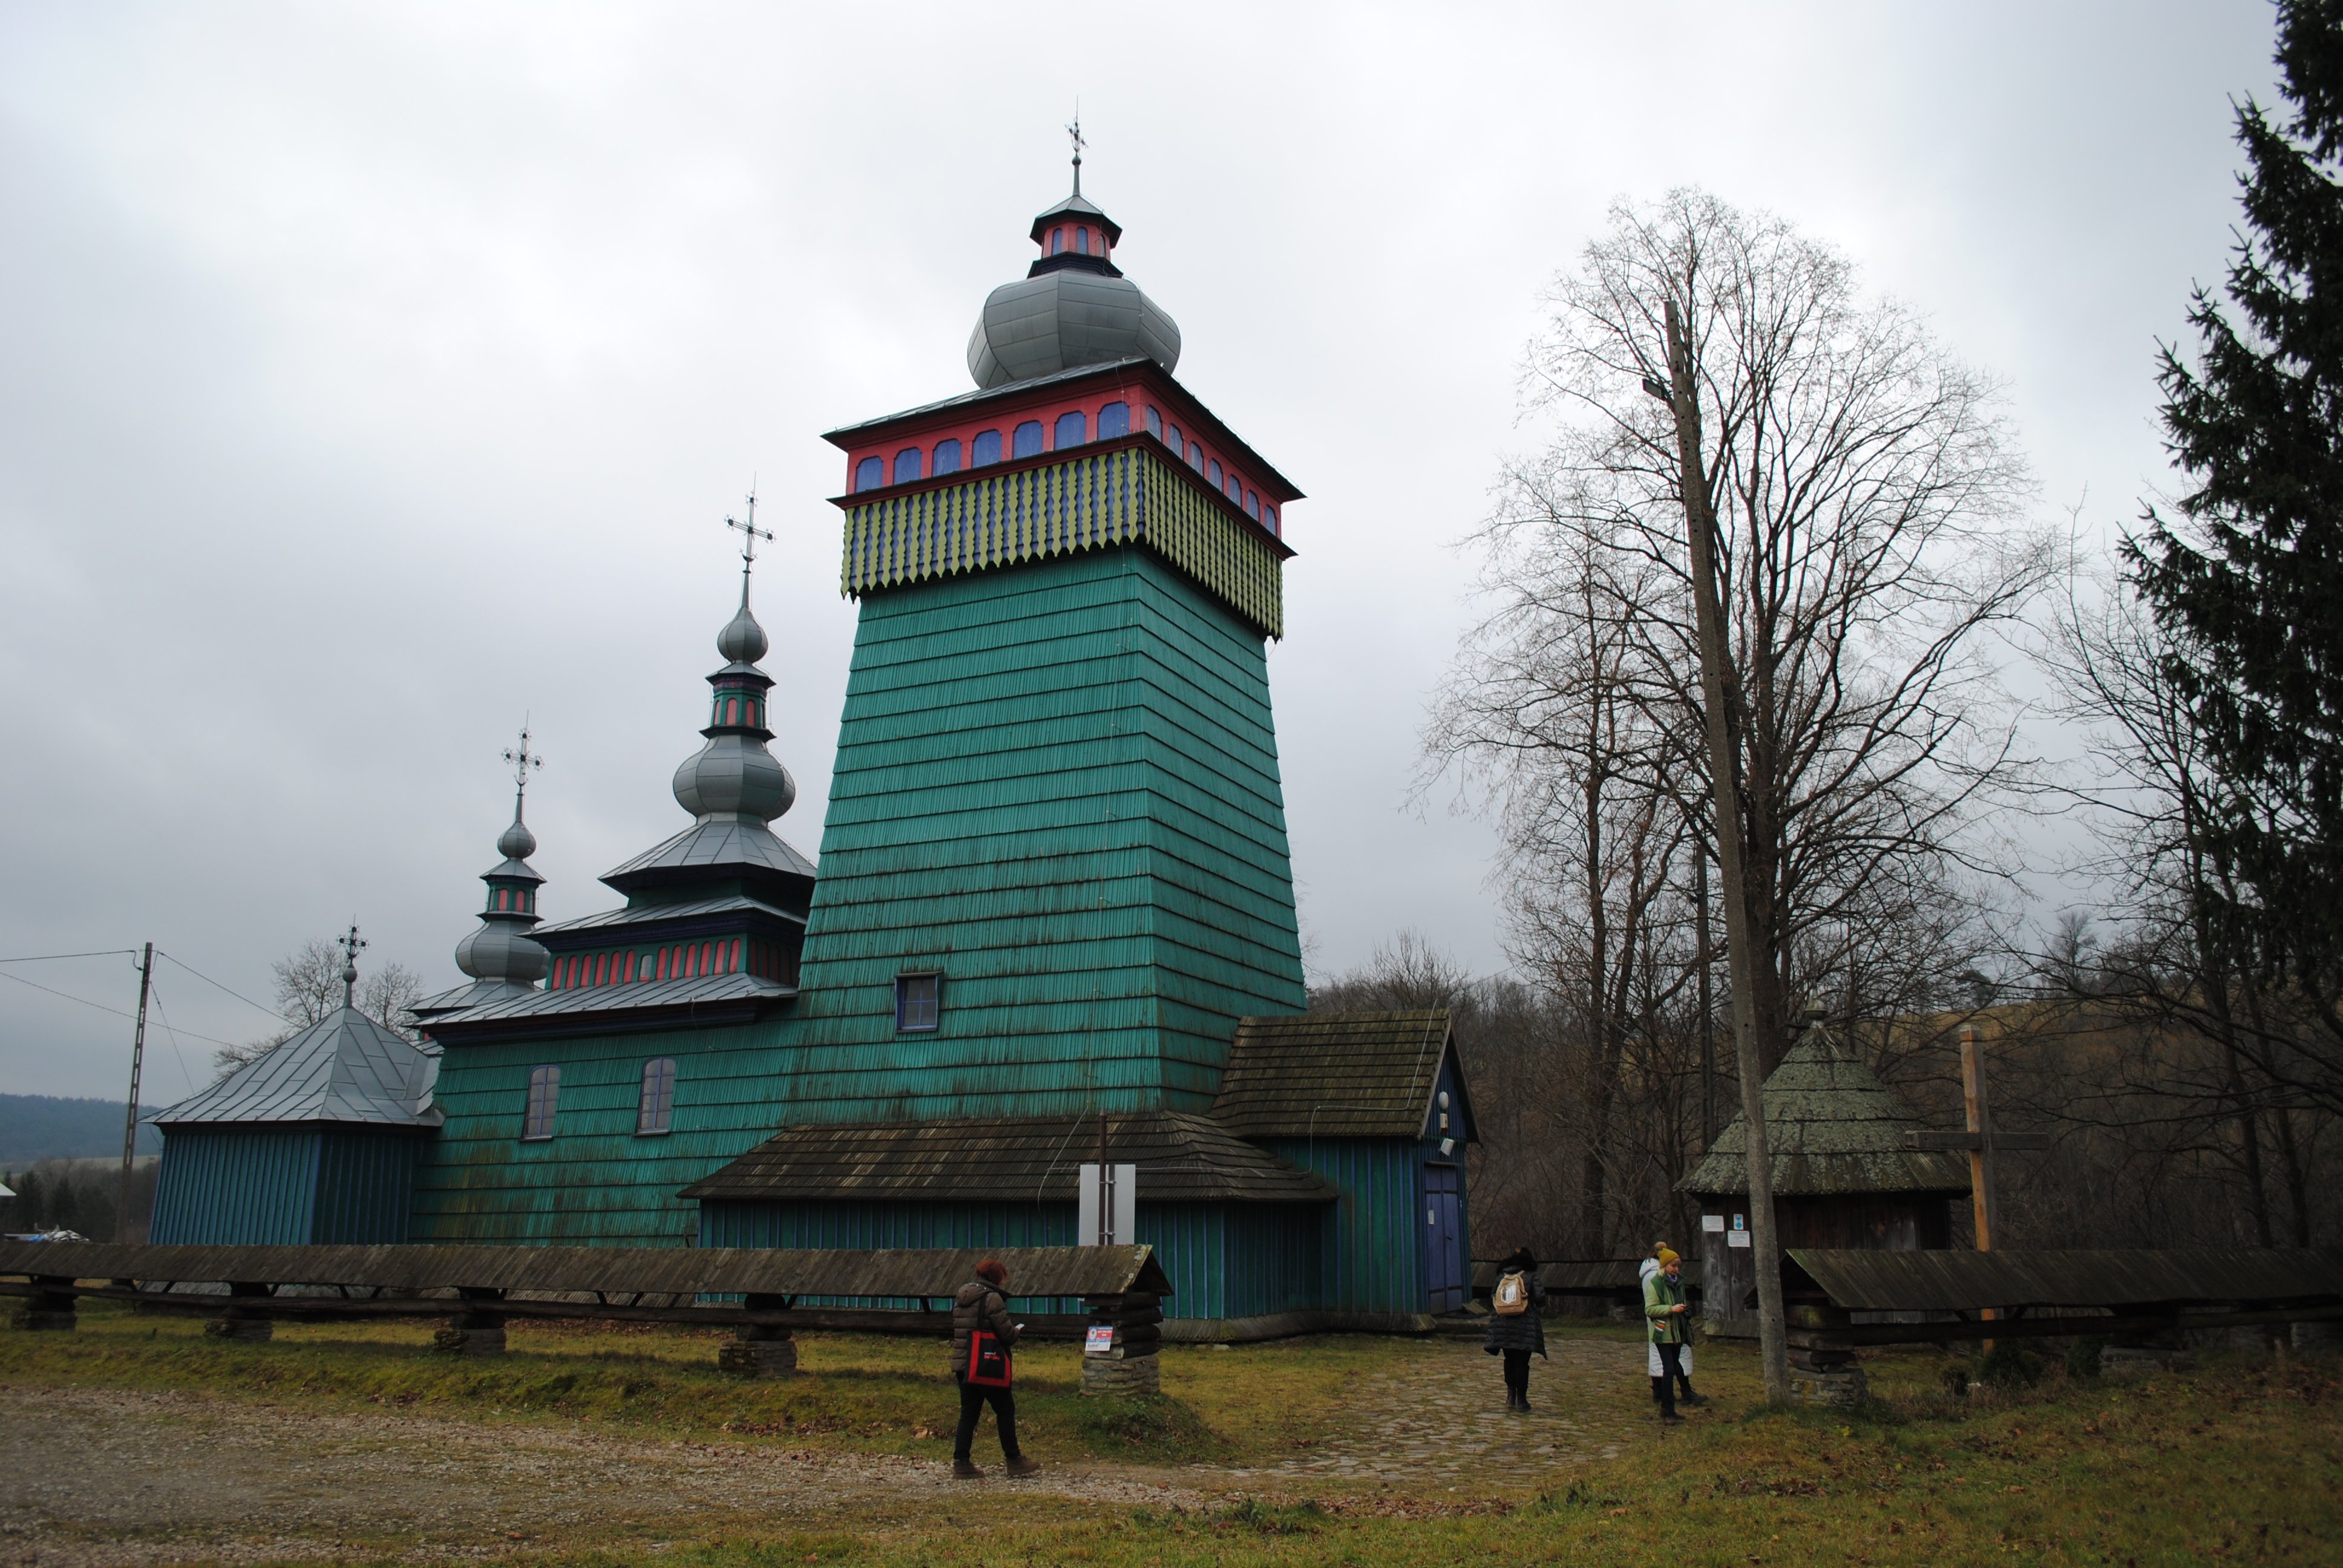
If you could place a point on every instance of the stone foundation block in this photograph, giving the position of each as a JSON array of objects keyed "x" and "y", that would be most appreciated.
[
  {"x": 1121, "y": 1377},
  {"x": 759, "y": 1358},
  {"x": 1840, "y": 1390},
  {"x": 45, "y": 1319},
  {"x": 469, "y": 1341}
]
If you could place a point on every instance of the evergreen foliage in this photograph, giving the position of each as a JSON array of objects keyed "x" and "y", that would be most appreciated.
[{"x": 2249, "y": 580}]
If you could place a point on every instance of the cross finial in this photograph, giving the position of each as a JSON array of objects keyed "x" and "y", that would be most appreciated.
[
  {"x": 524, "y": 761},
  {"x": 1075, "y": 131},
  {"x": 351, "y": 945},
  {"x": 749, "y": 543}
]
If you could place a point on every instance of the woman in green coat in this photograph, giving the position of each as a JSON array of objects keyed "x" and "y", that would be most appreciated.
[{"x": 1667, "y": 1314}]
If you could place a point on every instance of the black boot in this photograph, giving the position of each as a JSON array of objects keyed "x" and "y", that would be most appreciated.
[
  {"x": 1656, "y": 1389},
  {"x": 1688, "y": 1397}
]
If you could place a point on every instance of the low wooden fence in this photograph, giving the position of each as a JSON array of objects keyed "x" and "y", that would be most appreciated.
[{"x": 479, "y": 1289}]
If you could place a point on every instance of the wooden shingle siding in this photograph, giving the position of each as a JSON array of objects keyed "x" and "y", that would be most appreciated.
[
  {"x": 1373, "y": 1258},
  {"x": 1058, "y": 785},
  {"x": 1123, "y": 496}
]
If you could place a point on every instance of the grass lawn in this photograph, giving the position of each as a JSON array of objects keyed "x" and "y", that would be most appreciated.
[{"x": 2238, "y": 1461}]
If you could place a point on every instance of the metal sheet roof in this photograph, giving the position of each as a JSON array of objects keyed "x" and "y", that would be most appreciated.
[
  {"x": 345, "y": 1068},
  {"x": 1336, "y": 1075},
  {"x": 643, "y": 1001},
  {"x": 711, "y": 845},
  {"x": 1831, "y": 1127},
  {"x": 676, "y": 1270},
  {"x": 690, "y": 908},
  {"x": 1965, "y": 1282},
  {"x": 1181, "y": 1157}
]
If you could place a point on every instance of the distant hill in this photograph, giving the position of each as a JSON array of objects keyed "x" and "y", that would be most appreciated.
[{"x": 43, "y": 1127}]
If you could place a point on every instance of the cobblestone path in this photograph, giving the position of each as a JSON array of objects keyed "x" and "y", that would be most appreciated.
[{"x": 1444, "y": 1413}]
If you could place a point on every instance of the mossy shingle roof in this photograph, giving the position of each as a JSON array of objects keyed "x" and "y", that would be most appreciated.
[
  {"x": 1026, "y": 1159},
  {"x": 1832, "y": 1128},
  {"x": 1335, "y": 1075}
]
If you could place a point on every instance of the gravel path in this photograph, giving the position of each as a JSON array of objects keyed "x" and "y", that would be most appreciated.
[
  {"x": 1443, "y": 1414},
  {"x": 95, "y": 1478}
]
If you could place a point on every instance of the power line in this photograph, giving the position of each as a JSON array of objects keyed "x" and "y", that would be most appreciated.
[
  {"x": 164, "y": 1015},
  {"x": 46, "y": 958},
  {"x": 100, "y": 1006},
  {"x": 215, "y": 984}
]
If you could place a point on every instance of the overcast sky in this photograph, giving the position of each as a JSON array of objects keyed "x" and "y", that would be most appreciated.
[{"x": 370, "y": 377}]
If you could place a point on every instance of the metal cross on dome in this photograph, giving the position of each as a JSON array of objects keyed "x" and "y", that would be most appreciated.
[
  {"x": 749, "y": 544},
  {"x": 352, "y": 945},
  {"x": 522, "y": 759},
  {"x": 1075, "y": 131}
]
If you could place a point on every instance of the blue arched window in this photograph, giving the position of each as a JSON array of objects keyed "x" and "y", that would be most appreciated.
[
  {"x": 870, "y": 474},
  {"x": 1269, "y": 516},
  {"x": 1027, "y": 441},
  {"x": 1154, "y": 422},
  {"x": 655, "y": 1112},
  {"x": 1213, "y": 472},
  {"x": 1176, "y": 441},
  {"x": 1083, "y": 240},
  {"x": 1057, "y": 240},
  {"x": 985, "y": 449},
  {"x": 1253, "y": 506},
  {"x": 1196, "y": 457},
  {"x": 1115, "y": 419},
  {"x": 544, "y": 1097},
  {"x": 1072, "y": 429},
  {"x": 948, "y": 457},
  {"x": 907, "y": 465},
  {"x": 1233, "y": 490}
]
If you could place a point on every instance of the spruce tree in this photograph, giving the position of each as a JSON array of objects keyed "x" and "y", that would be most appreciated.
[{"x": 2248, "y": 579}]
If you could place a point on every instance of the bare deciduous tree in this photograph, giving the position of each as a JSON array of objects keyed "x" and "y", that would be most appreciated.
[{"x": 310, "y": 988}]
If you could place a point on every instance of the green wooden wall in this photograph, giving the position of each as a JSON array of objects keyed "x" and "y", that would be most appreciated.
[
  {"x": 595, "y": 1182},
  {"x": 1058, "y": 784},
  {"x": 1055, "y": 782},
  {"x": 283, "y": 1186}
]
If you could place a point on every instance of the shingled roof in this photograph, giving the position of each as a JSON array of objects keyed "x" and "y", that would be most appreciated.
[
  {"x": 1831, "y": 1127},
  {"x": 1025, "y": 1159},
  {"x": 1338, "y": 1075}
]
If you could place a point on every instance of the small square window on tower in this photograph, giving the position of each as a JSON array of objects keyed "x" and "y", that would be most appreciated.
[{"x": 919, "y": 999}]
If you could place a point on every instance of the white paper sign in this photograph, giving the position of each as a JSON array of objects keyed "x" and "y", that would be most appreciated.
[
  {"x": 1736, "y": 1238},
  {"x": 1712, "y": 1221},
  {"x": 1099, "y": 1340}
]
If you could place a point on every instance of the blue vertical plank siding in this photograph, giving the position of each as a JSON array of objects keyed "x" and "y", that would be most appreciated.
[
  {"x": 237, "y": 1187},
  {"x": 366, "y": 1186},
  {"x": 1373, "y": 1254}
]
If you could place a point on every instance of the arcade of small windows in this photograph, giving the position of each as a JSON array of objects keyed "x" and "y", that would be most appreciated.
[
  {"x": 676, "y": 960},
  {"x": 1030, "y": 437},
  {"x": 1076, "y": 237},
  {"x": 736, "y": 706},
  {"x": 513, "y": 901}
]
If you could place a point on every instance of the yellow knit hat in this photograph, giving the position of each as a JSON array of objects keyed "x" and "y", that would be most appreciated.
[{"x": 1667, "y": 1255}]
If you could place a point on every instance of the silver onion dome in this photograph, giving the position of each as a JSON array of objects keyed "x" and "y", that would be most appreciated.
[
  {"x": 503, "y": 950},
  {"x": 734, "y": 775},
  {"x": 517, "y": 842},
  {"x": 1074, "y": 307}
]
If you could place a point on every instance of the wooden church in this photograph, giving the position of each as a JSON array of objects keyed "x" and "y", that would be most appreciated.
[{"x": 1054, "y": 892}]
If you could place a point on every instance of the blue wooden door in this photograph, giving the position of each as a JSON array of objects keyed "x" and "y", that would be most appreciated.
[{"x": 1447, "y": 1286}]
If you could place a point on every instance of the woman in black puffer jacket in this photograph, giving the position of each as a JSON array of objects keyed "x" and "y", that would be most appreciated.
[{"x": 1517, "y": 1336}]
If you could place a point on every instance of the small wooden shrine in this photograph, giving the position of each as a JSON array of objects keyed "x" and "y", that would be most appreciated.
[{"x": 1843, "y": 1176}]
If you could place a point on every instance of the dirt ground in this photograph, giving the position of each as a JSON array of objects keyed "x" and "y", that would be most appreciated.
[
  {"x": 104, "y": 1477},
  {"x": 93, "y": 1478}
]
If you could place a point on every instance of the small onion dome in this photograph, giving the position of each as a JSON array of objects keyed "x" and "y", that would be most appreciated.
[
  {"x": 734, "y": 775},
  {"x": 517, "y": 842},
  {"x": 1072, "y": 307},
  {"x": 503, "y": 950}
]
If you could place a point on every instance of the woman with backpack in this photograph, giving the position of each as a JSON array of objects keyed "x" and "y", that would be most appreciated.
[
  {"x": 981, "y": 1337},
  {"x": 1516, "y": 1324}
]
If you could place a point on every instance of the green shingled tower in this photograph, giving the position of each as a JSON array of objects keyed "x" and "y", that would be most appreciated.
[{"x": 1054, "y": 871}]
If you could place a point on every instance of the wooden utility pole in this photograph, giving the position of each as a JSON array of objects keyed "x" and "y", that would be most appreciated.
[
  {"x": 1979, "y": 1140},
  {"x": 1720, "y": 689},
  {"x": 130, "y": 1116}
]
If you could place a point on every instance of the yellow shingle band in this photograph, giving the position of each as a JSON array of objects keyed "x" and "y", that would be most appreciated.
[{"x": 1128, "y": 496}]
